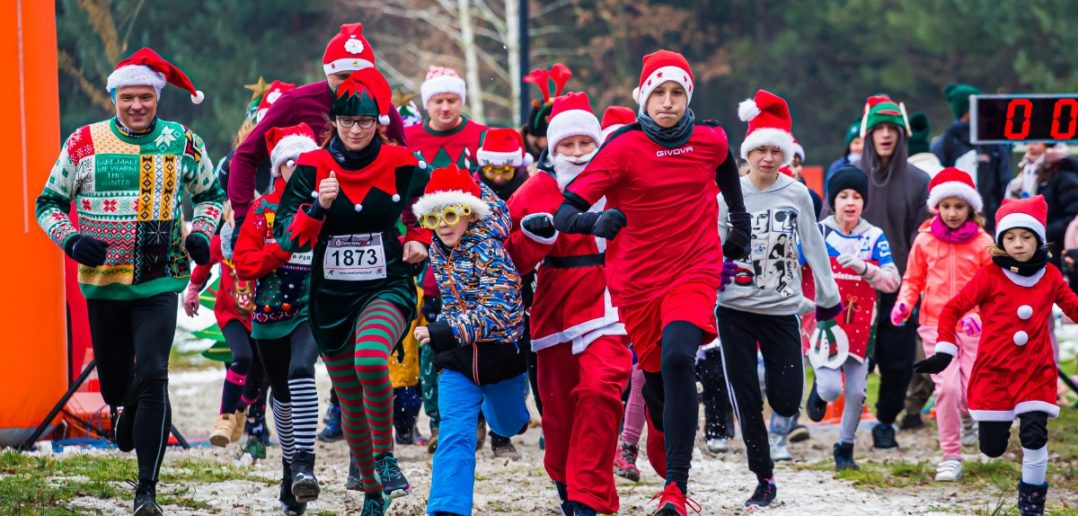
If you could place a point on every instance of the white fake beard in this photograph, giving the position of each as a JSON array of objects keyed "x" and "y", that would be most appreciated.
[{"x": 568, "y": 167}]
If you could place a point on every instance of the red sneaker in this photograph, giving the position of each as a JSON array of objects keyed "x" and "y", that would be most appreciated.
[
  {"x": 672, "y": 502},
  {"x": 625, "y": 462}
]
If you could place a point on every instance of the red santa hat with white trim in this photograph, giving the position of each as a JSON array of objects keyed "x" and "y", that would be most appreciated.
[
  {"x": 503, "y": 146},
  {"x": 614, "y": 118},
  {"x": 276, "y": 89},
  {"x": 953, "y": 182},
  {"x": 443, "y": 80},
  {"x": 769, "y": 121},
  {"x": 348, "y": 51},
  {"x": 147, "y": 68},
  {"x": 572, "y": 116},
  {"x": 659, "y": 67},
  {"x": 285, "y": 144},
  {"x": 1030, "y": 213},
  {"x": 451, "y": 186}
]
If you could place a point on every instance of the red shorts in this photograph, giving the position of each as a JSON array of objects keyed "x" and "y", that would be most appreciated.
[{"x": 692, "y": 302}]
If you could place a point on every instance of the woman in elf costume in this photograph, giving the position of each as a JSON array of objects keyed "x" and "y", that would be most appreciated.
[
  {"x": 362, "y": 293},
  {"x": 281, "y": 329},
  {"x": 861, "y": 261}
]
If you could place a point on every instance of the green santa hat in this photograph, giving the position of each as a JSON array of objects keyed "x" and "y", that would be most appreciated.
[
  {"x": 880, "y": 109},
  {"x": 364, "y": 93}
]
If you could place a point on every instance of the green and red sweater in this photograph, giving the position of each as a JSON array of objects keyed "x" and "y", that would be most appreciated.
[
  {"x": 440, "y": 148},
  {"x": 128, "y": 191}
]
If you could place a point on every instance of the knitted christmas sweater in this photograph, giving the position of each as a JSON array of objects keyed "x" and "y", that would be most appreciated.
[
  {"x": 128, "y": 191},
  {"x": 440, "y": 148}
]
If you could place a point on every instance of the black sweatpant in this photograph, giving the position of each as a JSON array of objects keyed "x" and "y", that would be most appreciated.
[
  {"x": 779, "y": 339},
  {"x": 132, "y": 340},
  {"x": 1032, "y": 432},
  {"x": 680, "y": 410},
  {"x": 289, "y": 358},
  {"x": 896, "y": 350},
  {"x": 718, "y": 414}
]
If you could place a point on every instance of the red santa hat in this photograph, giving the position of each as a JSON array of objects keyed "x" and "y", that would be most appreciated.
[
  {"x": 572, "y": 116},
  {"x": 147, "y": 68},
  {"x": 451, "y": 186},
  {"x": 274, "y": 92},
  {"x": 503, "y": 146},
  {"x": 799, "y": 151},
  {"x": 953, "y": 182},
  {"x": 1030, "y": 213},
  {"x": 285, "y": 144},
  {"x": 769, "y": 124},
  {"x": 614, "y": 118},
  {"x": 348, "y": 51},
  {"x": 442, "y": 80},
  {"x": 659, "y": 67}
]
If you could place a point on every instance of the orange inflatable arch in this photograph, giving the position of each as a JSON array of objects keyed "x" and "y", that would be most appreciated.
[{"x": 33, "y": 350}]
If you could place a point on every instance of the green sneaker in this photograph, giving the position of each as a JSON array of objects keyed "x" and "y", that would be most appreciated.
[{"x": 374, "y": 506}]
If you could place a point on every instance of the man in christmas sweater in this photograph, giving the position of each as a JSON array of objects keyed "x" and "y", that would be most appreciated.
[
  {"x": 127, "y": 177},
  {"x": 581, "y": 346},
  {"x": 664, "y": 266},
  {"x": 446, "y": 136}
]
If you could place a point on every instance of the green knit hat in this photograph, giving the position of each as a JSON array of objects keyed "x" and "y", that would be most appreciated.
[
  {"x": 364, "y": 93},
  {"x": 918, "y": 142},
  {"x": 958, "y": 97},
  {"x": 880, "y": 109},
  {"x": 854, "y": 131}
]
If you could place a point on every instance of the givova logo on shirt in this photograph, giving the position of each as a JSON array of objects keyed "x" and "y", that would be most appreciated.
[{"x": 673, "y": 152}]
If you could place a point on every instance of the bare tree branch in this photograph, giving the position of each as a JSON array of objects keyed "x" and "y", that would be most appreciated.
[
  {"x": 69, "y": 67},
  {"x": 548, "y": 8}
]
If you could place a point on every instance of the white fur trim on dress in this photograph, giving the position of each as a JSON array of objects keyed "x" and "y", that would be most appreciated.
[
  {"x": 575, "y": 122},
  {"x": 443, "y": 84},
  {"x": 432, "y": 201},
  {"x": 769, "y": 136},
  {"x": 135, "y": 75},
  {"x": 1020, "y": 220},
  {"x": 289, "y": 148},
  {"x": 1021, "y": 408},
  {"x": 583, "y": 334},
  {"x": 954, "y": 189},
  {"x": 659, "y": 76},
  {"x": 514, "y": 158},
  {"x": 346, "y": 64},
  {"x": 947, "y": 348}
]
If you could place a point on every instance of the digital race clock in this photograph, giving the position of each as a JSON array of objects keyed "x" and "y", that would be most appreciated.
[{"x": 1023, "y": 118}]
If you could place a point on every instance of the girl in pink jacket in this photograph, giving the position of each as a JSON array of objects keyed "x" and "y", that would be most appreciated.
[{"x": 948, "y": 250}]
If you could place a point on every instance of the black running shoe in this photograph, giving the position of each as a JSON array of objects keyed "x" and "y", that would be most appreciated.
[
  {"x": 764, "y": 494},
  {"x": 304, "y": 484},
  {"x": 883, "y": 437},
  {"x": 289, "y": 504},
  {"x": 394, "y": 485},
  {"x": 844, "y": 457},
  {"x": 146, "y": 500},
  {"x": 815, "y": 407}
]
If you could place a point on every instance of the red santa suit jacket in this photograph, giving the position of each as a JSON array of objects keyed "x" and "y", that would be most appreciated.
[
  {"x": 1015, "y": 371},
  {"x": 572, "y": 303}
]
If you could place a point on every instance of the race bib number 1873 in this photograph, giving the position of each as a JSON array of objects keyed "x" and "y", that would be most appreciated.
[{"x": 359, "y": 257}]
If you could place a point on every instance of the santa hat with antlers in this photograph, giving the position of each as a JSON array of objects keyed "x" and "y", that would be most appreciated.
[{"x": 539, "y": 118}]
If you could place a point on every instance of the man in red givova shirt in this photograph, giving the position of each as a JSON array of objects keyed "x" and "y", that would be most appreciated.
[{"x": 661, "y": 177}]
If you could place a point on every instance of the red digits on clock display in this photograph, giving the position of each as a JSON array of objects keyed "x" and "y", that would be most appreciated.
[
  {"x": 1072, "y": 115},
  {"x": 1027, "y": 111}
]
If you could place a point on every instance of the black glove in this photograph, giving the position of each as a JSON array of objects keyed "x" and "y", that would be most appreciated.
[
  {"x": 609, "y": 224},
  {"x": 441, "y": 337},
  {"x": 934, "y": 364},
  {"x": 736, "y": 246},
  {"x": 88, "y": 251},
  {"x": 539, "y": 224},
  {"x": 198, "y": 248},
  {"x": 826, "y": 314}
]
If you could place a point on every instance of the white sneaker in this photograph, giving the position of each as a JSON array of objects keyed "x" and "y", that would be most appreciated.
[
  {"x": 950, "y": 470},
  {"x": 718, "y": 445},
  {"x": 970, "y": 433},
  {"x": 779, "y": 452}
]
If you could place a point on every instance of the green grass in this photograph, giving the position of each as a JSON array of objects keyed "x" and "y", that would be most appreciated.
[{"x": 35, "y": 484}]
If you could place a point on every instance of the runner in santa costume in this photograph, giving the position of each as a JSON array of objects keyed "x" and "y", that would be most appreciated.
[
  {"x": 128, "y": 177},
  {"x": 281, "y": 328},
  {"x": 583, "y": 357},
  {"x": 362, "y": 290},
  {"x": 860, "y": 259},
  {"x": 761, "y": 294},
  {"x": 948, "y": 251},
  {"x": 347, "y": 52},
  {"x": 1014, "y": 375},
  {"x": 663, "y": 271},
  {"x": 446, "y": 136}
]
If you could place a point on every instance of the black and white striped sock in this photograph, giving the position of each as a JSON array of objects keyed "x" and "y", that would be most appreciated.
[
  {"x": 304, "y": 412},
  {"x": 282, "y": 419}
]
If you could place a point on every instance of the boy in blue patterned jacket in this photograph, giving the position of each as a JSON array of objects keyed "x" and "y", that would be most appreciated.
[{"x": 475, "y": 337}]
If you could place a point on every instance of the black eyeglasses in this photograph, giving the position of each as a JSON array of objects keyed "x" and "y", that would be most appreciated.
[{"x": 365, "y": 122}]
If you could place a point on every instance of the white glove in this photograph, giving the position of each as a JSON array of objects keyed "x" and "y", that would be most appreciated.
[{"x": 858, "y": 265}]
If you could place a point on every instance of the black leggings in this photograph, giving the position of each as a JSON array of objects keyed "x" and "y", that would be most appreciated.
[
  {"x": 288, "y": 358},
  {"x": 132, "y": 340},
  {"x": 779, "y": 338},
  {"x": 239, "y": 343},
  {"x": 718, "y": 414},
  {"x": 896, "y": 350},
  {"x": 681, "y": 410},
  {"x": 1032, "y": 432}
]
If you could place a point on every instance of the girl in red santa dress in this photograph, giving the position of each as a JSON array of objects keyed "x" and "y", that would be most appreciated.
[{"x": 1014, "y": 375}]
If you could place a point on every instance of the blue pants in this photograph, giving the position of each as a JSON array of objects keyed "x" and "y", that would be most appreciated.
[{"x": 459, "y": 403}]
